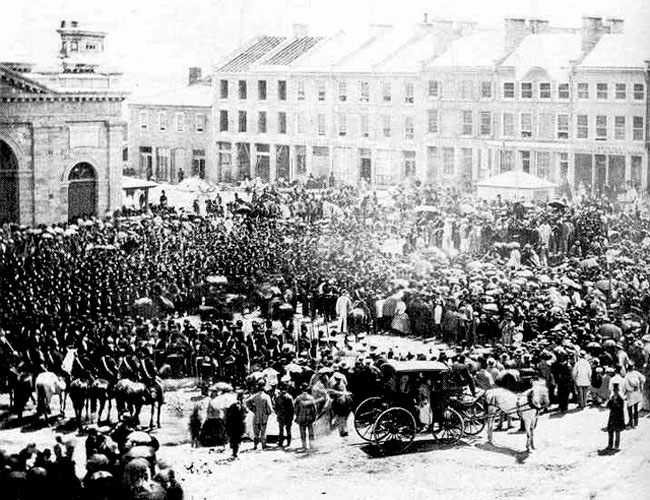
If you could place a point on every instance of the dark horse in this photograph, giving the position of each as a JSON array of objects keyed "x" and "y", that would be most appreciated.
[
  {"x": 21, "y": 388},
  {"x": 131, "y": 396},
  {"x": 79, "y": 391},
  {"x": 358, "y": 320}
]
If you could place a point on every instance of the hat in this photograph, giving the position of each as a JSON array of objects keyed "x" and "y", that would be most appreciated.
[{"x": 638, "y": 343}]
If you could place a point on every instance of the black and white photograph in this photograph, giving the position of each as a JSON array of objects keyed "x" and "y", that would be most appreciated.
[{"x": 356, "y": 250}]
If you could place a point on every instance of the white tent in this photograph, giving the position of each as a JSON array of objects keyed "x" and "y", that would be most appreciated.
[{"x": 515, "y": 186}]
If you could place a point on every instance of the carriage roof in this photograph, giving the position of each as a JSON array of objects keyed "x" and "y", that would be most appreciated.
[{"x": 415, "y": 366}]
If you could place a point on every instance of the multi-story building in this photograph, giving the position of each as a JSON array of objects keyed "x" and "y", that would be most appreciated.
[
  {"x": 443, "y": 102},
  {"x": 170, "y": 133},
  {"x": 61, "y": 134}
]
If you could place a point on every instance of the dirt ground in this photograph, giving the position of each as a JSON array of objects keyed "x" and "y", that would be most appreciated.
[{"x": 566, "y": 464}]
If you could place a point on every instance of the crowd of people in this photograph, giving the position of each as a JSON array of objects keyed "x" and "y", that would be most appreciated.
[{"x": 559, "y": 289}]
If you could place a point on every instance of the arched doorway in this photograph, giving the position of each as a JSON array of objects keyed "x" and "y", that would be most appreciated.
[
  {"x": 82, "y": 192},
  {"x": 9, "y": 188}
]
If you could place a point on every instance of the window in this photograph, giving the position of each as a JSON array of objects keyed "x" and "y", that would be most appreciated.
[
  {"x": 409, "y": 97},
  {"x": 486, "y": 90},
  {"x": 300, "y": 90},
  {"x": 224, "y": 158},
  {"x": 563, "y": 91},
  {"x": 435, "y": 89},
  {"x": 545, "y": 90},
  {"x": 365, "y": 127},
  {"x": 508, "y": 90},
  {"x": 601, "y": 127},
  {"x": 200, "y": 122},
  {"x": 468, "y": 127},
  {"x": 639, "y": 92},
  {"x": 619, "y": 128},
  {"x": 261, "y": 90},
  {"x": 364, "y": 91},
  {"x": 146, "y": 161},
  {"x": 563, "y": 126},
  {"x": 223, "y": 120},
  {"x": 320, "y": 90},
  {"x": 466, "y": 89},
  {"x": 343, "y": 92},
  {"x": 242, "y": 121},
  {"x": 300, "y": 123},
  {"x": 524, "y": 156},
  {"x": 485, "y": 123},
  {"x": 637, "y": 128},
  {"x": 508, "y": 124},
  {"x": 601, "y": 91},
  {"x": 223, "y": 89},
  {"x": 282, "y": 90},
  {"x": 243, "y": 89},
  {"x": 564, "y": 165},
  {"x": 506, "y": 161},
  {"x": 343, "y": 124},
  {"x": 543, "y": 167},
  {"x": 526, "y": 90},
  {"x": 385, "y": 91},
  {"x": 144, "y": 120},
  {"x": 621, "y": 91},
  {"x": 385, "y": 125},
  {"x": 636, "y": 170},
  {"x": 467, "y": 163},
  {"x": 282, "y": 122},
  {"x": 198, "y": 163},
  {"x": 162, "y": 120},
  {"x": 583, "y": 127},
  {"x": 261, "y": 122},
  {"x": 448, "y": 161},
  {"x": 409, "y": 127},
  {"x": 432, "y": 120},
  {"x": 180, "y": 122},
  {"x": 583, "y": 91},
  {"x": 74, "y": 46},
  {"x": 526, "y": 125},
  {"x": 321, "y": 124},
  {"x": 409, "y": 164}
]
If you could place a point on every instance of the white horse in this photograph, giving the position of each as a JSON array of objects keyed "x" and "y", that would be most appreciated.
[
  {"x": 47, "y": 385},
  {"x": 525, "y": 405}
]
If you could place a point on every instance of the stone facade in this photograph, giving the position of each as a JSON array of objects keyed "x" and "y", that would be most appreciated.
[{"x": 52, "y": 127}]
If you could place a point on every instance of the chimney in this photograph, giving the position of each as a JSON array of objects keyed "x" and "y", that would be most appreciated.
[
  {"x": 194, "y": 75},
  {"x": 300, "y": 30},
  {"x": 538, "y": 26},
  {"x": 515, "y": 31},
  {"x": 376, "y": 30},
  {"x": 592, "y": 30},
  {"x": 426, "y": 18},
  {"x": 615, "y": 25}
]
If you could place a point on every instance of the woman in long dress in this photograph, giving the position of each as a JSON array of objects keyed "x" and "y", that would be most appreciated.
[{"x": 401, "y": 320}]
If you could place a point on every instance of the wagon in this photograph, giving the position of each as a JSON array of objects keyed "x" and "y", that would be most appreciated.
[{"x": 416, "y": 397}]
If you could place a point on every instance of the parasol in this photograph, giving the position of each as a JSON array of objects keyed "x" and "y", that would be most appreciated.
[
  {"x": 609, "y": 343},
  {"x": 293, "y": 368},
  {"x": 223, "y": 401},
  {"x": 217, "y": 280},
  {"x": 286, "y": 307},
  {"x": 610, "y": 330},
  {"x": 221, "y": 386},
  {"x": 589, "y": 263},
  {"x": 557, "y": 204},
  {"x": 491, "y": 307},
  {"x": 325, "y": 369}
]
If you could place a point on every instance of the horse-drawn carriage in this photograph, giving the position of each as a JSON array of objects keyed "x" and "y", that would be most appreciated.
[{"x": 417, "y": 397}]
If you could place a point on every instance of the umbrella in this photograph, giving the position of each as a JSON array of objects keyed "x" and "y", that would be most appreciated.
[
  {"x": 557, "y": 204},
  {"x": 325, "y": 369},
  {"x": 223, "y": 401},
  {"x": 610, "y": 330},
  {"x": 589, "y": 263},
  {"x": 139, "y": 438},
  {"x": 426, "y": 208},
  {"x": 286, "y": 307},
  {"x": 293, "y": 368},
  {"x": 491, "y": 307},
  {"x": 570, "y": 283},
  {"x": 221, "y": 386},
  {"x": 217, "y": 280},
  {"x": 609, "y": 343},
  {"x": 593, "y": 345},
  {"x": 602, "y": 284}
]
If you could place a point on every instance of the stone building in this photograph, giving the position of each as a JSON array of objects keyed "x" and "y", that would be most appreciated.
[
  {"x": 61, "y": 134},
  {"x": 440, "y": 101},
  {"x": 170, "y": 133}
]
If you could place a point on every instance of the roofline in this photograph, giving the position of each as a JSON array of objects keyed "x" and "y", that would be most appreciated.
[
  {"x": 24, "y": 80},
  {"x": 198, "y": 106}
]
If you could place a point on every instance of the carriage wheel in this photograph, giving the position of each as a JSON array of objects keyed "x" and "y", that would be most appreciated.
[
  {"x": 394, "y": 430},
  {"x": 474, "y": 418},
  {"x": 365, "y": 416},
  {"x": 448, "y": 428}
]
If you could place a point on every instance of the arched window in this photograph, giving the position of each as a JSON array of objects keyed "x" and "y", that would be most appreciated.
[{"x": 82, "y": 171}]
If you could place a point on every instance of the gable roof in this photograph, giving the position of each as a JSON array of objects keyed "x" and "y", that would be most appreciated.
[
  {"x": 481, "y": 49},
  {"x": 292, "y": 50},
  {"x": 243, "y": 59},
  {"x": 618, "y": 51},
  {"x": 22, "y": 83}
]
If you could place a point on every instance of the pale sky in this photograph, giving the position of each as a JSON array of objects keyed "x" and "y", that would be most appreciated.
[{"x": 155, "y": 41}]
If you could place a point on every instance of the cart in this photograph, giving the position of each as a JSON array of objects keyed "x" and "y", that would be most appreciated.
[{"x": 416, "y": 398}]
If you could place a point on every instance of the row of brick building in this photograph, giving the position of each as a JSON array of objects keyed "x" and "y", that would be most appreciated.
[{"x": 441, "y": 101}]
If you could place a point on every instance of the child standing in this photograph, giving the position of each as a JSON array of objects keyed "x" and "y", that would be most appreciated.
[{"x": 616, "y": 421}]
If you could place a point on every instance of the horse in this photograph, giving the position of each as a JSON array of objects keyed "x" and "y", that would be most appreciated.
[
  {"x": 131, "y": 396},
  {"x": 21, "y": 387},
  {"x": 47, "y": 385},
  {"x": 341, "y": 407},
  {"x": 79, "y": 390},
  {"x": 358, "y": 320},
  {"x": 526, "y": 405},
  {"x": 100, "y": 392}
]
